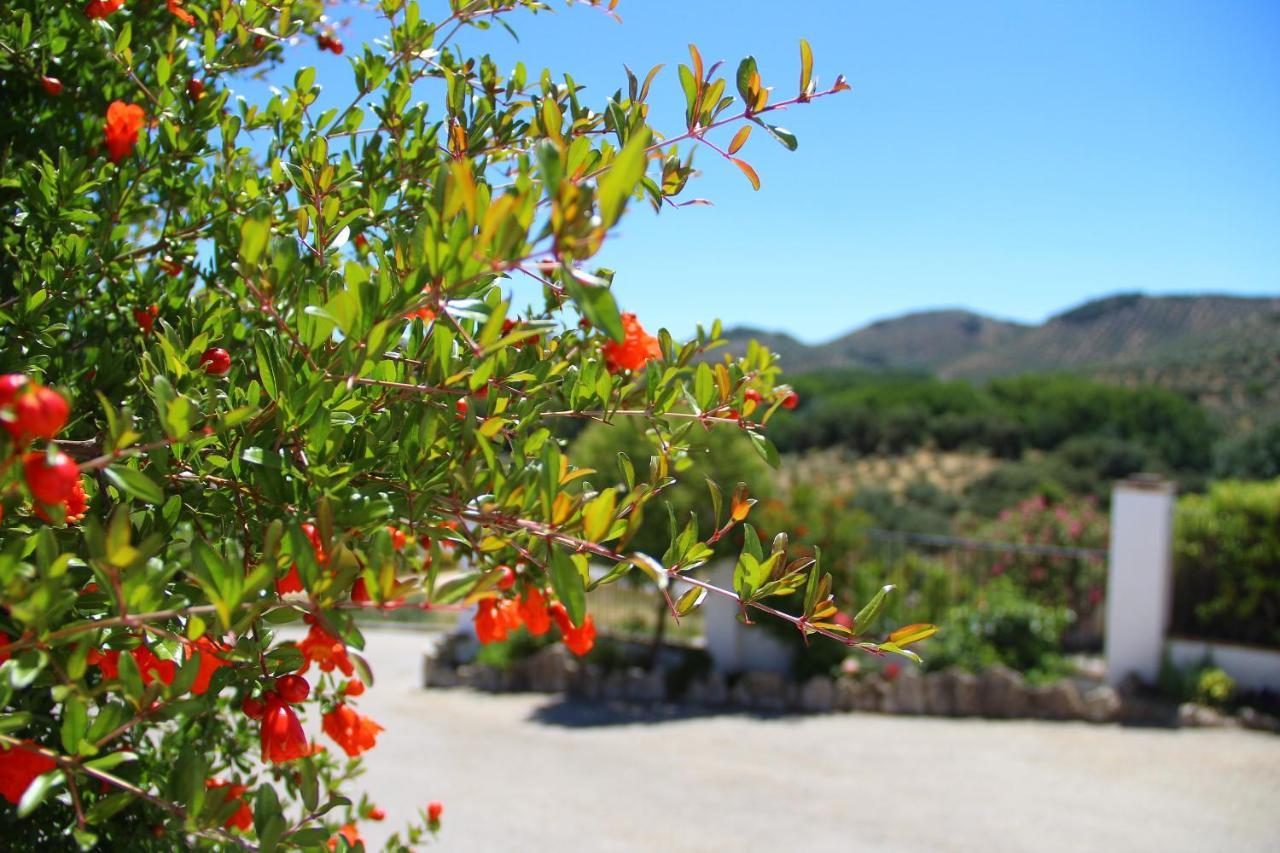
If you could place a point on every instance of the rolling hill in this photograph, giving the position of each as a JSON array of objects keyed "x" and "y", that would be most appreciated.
[{"x": 1222, "y": 350}]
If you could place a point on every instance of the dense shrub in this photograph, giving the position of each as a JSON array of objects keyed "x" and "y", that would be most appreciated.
[
  {"x": 893, "y": 412},
  {"x": 1253, "y": 456},
  {"x": 723, "y": 455},
  {"x": 1227, "y": 546},
  {"x": 1001, "y": 626},
  {"x": 1057, "y": 579}
]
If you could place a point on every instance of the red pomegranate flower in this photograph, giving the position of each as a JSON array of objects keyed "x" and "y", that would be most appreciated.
[
  {"x": 123, "y": 123},
  {"x": 360, "y": 592},
  {"x": 152, "y": 667},
  {"x": 242, "y": 818},
  {"x": 353, "y": 732},
  {"x": 637, "y": 349},
  {"x": 101, "y": 8},
  {"x": 291, "y": 582},
  {"x": 509, "y": 613},
  {"x": 349, "y": 834},
  {"x": 211, "y": 661},
  {"x": 175, "y": 7},
  {"x": 146, "y": 318},
  {"x": 19, "y": 767},
  {"x": 73, "y": 508},
  {"x": 581, "y": 638},
  {"x": 108, "y": 662},
  {"x": 533, "y": 610},
  {"x": 490, "y": 625},
  {"x": 282, "y": 736},
  {"x": 325, "y": 651},
  {"x": 434, "y": 810}
]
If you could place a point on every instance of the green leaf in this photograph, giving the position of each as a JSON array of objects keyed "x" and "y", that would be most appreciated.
[
  {"x": 746, "y": 70},
  {"x": 135, "y": 483},
  {"x": 871, "y": 610},
  {"x": 893, "y": 648},
  {"x": 254, "y": 234},
  {"x": 617, "y": 184},
  {"x": 781, "y": 134},
  {"x": 692, "y": 597},
  {"x": 597, "y": 515},
  {"x": 37, "y": 791},
  {"x": 765, "y": 448},
  {"x": 596, "y": 304},
  {"x": 567, "y": 582}
]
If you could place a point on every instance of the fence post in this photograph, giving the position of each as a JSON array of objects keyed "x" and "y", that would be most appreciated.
[{"x": 1139, "y": 577}]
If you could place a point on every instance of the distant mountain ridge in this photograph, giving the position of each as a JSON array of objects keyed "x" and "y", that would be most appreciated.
[{"x": 1224, "y": 348}]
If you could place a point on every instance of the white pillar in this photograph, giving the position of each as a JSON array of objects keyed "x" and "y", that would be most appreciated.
[
  {"x": 735, "y": 647},
  {"x": 1139, "y": 577}
]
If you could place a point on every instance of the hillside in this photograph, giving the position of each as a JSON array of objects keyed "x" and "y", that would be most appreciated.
[
  {"x": 1128, "y": 329},
  {"x": 1221, "y": 350},
  {"x": 920, "y": 341},
  {"x": 925, "y": 340}
]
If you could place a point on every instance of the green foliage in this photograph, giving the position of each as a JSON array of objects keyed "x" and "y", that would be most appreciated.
[
  {"x": 1214, "y": 687},
  {"x": 520, "y": 645},
  {"x": 1201, "y": 682},
  {"x": 721, "y": 455},
  {"x": 1252, "y": 456},
  {"x": 1001, "y": 626},
  {"x": 876, "y": 412},
  {"x": 1227, "y": 563}
]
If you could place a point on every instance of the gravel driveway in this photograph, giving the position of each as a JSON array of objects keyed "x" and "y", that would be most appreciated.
[{"x": 534, "y": 773}]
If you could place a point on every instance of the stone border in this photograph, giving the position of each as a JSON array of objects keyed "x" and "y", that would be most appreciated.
[{"x": 997, "y": 693}]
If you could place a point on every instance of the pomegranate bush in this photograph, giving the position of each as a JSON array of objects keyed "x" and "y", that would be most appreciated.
[{"x": 264, "y": 366}]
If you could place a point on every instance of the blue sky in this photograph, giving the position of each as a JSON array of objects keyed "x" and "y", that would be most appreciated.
[{"x": 1012, "y": 157}]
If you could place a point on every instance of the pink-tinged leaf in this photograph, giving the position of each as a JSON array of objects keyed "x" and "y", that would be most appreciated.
[
  {"x": 739, "y": 139},
  {"x": 697, "y": 62},
  {"x": 912, "y": 634},
  {"x": 648, "y": 80},
  {"x": 748, "y": 171}
]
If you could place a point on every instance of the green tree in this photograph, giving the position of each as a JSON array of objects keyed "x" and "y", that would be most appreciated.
[{"x": 261, "y": 368}]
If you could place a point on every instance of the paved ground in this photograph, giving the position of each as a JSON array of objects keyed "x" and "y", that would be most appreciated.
[{"x": 533, "y": 773}]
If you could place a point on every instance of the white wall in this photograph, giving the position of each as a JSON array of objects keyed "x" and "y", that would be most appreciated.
[{"x": 1251, "y": 667}]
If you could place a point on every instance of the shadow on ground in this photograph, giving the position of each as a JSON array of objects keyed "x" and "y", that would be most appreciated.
[
  {"x": 589, "y": 713},
  {"x": 585, "y": 714}
]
